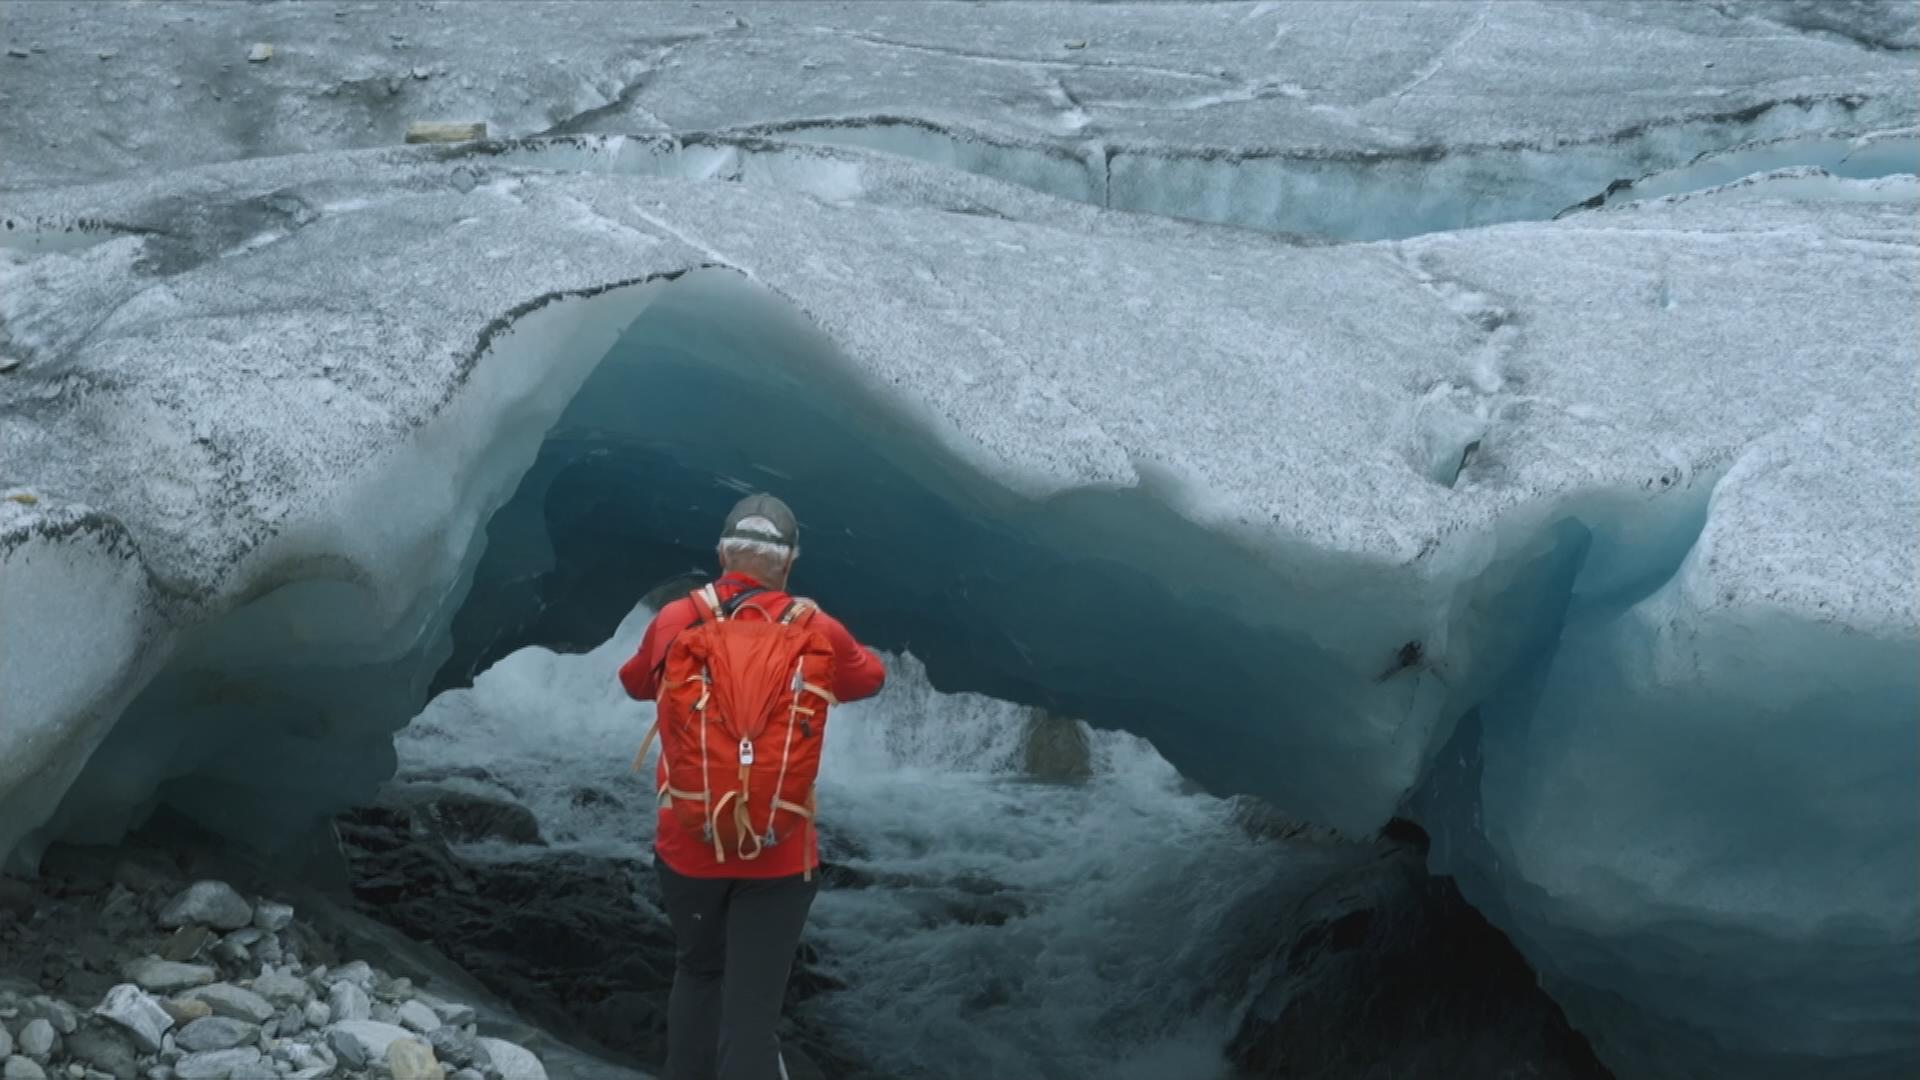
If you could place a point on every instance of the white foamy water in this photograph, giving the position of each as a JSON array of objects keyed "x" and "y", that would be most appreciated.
[{"x": 1011, "y": 927}]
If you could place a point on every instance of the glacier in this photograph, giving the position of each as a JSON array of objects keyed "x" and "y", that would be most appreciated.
[{"x": 1576, "y": 522}]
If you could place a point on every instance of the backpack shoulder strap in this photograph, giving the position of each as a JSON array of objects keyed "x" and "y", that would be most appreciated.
[
  {"x": 706, "y": 605},
  {"x": 799, "y": 611},
  {"x": 738, "y": 600}
]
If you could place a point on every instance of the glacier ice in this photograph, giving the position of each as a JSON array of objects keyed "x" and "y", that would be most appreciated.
[{"x": 1529, "y": 530}]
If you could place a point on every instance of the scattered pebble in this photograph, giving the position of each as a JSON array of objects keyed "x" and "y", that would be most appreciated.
[{"x": 260, "y": 53}]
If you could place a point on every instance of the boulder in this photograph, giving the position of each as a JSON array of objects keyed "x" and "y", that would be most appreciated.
[
  {"x": 513, "y": 1062},
  {"x": 361, "y": 1042},
  {"x": 187, "y": 943},
  {"x": 349, "y": 1001},
  {"x": 227, "y": 999},
  {"x": 64, "y": 1017},
  {"x": 411, "y": 1059},
  {"x": 418, "y": 1017},
  {"x": 458, "y": 1049},
  {"x": 185, "y": 1010},
  {"x": 272, "y": 917},
  {"x": 145, "y": 1020},
  {"x": 318, "y": 1014},
  {"x": 217, "y": 1033},
  {"x": 283, "y": 989},
  {"x": 159, "y": 976},
  {"x": 107, "y": 1047},
  {"x": 218, "y": 1064},
  {"x": 19, "y": 1068},
  {"x": 451, "y": 1012},
  {"x": 207, "y": 903},
  {"x": 37, "y": 1040}
]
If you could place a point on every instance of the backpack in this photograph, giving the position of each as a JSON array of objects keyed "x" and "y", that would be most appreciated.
[{"x": 741, "y": 717}]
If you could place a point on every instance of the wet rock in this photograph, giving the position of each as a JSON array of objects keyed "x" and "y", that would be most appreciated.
[
  {"x": 37, "y": 1040},
  {"x": 272, "y": 917},
  {"x": 513, "y": 1062},
  {"x": 283, "y": 989},
  {"x": 64, "y": 1017},
  {"x": 227, "y": 999},
  {"x": 145, "y": 1020},
  {"x": 417, "y": 1017},
  {"x": 452, "y": 1012},
  {"x": 187, "y": 943},
  {"x": 107, "y": 1047},
  {"x": 359, "y": 1042},
  {"x": 218, "y": 1064},
  {"x": 458, "y": 1049},
  {"x": 357, "y": 972},
  {"x": 166, "y": 976},
  {"x": 19, "y": 1068},
  {"x": 1057, "y": 748},
  {"x": 411, "y": 1059},
  {"x": 349, "y": 1001},
  {"x": 217, "y": 1033},
  {"x": 185, "y": 1010},
  {"x": 207, "y": 903}
]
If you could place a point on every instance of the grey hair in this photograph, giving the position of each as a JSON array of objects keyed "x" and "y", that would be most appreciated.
[{"x": 759, "y": 558}]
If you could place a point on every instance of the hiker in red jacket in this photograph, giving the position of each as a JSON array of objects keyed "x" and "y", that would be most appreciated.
[{"x": 743, "y": 675}]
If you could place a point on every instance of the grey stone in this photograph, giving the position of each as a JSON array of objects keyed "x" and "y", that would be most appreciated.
[
  {"x": 107, "y": 1047},
  {"x": 185, "y": 1010},
  {"x": 272, "y": 917},
  {"x": 64, "y": 1017},
  {"x": 19, "y": 1068},
  {"x": 385, "y": 1013},
  {"x": 417, "y": 1016},
  {"x": 166, "y": 976},
  {"x": 318, "y": 1014},
  {"x": 246, "y": 937},
  {"x": 215, "y": 1064},
  {"x": 160, "y": 1072},
  {"x": 469, "y": 1074},
  {"x": 145, "y": 1020},
  {"x": 358, "y": 972},
  {"x": 359, "y": 1042},
  {"x": 227, "y": 999},
  {"x": 217, "y": 1033},
  {"x": 37, "y": 1040},
  {"x": 207, "y": 903},
  {"x": 6, "y": 1043},
  {"x": 513, "y": 1062},
  {"x": 283, "y": 989},
  {"x": 457, "y": 1048},
  {"x": 349, "y": 1001},
  {"x": 411, "y": 1059},
  {"x": 259, "y": 1070},
  {"x": 187, "y": 943}
]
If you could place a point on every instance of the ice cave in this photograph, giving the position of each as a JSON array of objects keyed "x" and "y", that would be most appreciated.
[{"x": 1393, "y": 530}]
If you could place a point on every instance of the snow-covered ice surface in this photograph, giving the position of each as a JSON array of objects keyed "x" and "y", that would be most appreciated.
[
  {"x": 1598, "y": 533},
  {"x": 1366, "y": 118}
]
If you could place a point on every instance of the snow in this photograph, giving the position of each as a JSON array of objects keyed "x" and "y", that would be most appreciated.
[{"x": 1358, "y": 119}]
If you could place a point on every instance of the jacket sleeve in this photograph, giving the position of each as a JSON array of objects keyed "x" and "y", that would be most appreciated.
[
  {"x": 641, "y": 674},
  {"x": 857, "y": 672}
]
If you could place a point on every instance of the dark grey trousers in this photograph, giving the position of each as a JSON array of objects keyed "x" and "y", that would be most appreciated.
[{"x": 735, "y": 941}]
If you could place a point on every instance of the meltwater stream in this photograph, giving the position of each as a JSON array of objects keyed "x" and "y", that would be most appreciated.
[{"x": 997, "y": 924}]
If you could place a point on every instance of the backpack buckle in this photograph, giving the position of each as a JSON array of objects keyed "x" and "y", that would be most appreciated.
[{"x": 746, "y": 751}]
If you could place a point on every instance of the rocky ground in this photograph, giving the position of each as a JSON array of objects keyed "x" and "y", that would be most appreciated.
[
  {"x": 116, "y": 967},
  {"x": 576, "y": 942}
]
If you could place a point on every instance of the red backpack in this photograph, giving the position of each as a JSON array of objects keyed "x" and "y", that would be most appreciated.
[{"x": 741, "y": 718}]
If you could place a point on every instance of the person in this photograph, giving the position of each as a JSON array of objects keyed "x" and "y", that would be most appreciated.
[{"x": 737, "y": 921}]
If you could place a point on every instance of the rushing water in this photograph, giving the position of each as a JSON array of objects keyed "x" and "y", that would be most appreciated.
[{"x": 1060, "y": 907}]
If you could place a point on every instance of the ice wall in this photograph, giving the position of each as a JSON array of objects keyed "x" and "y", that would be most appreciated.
[{"x": 1374, "y": 497}]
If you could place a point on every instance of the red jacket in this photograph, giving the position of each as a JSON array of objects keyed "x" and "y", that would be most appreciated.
[{"x": 856, "y": 674}]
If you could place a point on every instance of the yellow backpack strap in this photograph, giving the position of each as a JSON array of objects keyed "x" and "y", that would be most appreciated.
[{"x": 799, "y": 611}]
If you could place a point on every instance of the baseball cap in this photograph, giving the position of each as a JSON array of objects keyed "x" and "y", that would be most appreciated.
[{"x": 762, "y": 518}]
